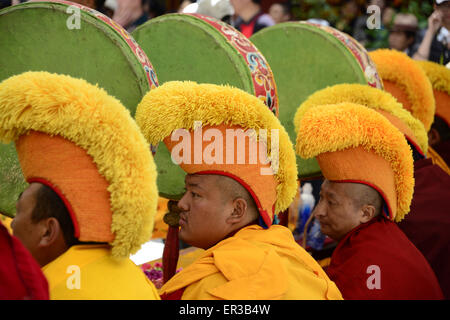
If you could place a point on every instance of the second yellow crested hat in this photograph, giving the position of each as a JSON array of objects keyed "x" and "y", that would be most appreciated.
[
  {"x": 213, "y": 117},
  {"x": 381, "y": 101},
  {"x": 355, "y": 144},
  {"x": 407, "y": 82},
  {"x": 439, "y": 77}
]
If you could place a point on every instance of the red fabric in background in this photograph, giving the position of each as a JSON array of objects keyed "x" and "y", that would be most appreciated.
[
  {"x": 427, "y": 225},
  {"x": 21, "y": 277},
  {"x": 403, "y": 271}
]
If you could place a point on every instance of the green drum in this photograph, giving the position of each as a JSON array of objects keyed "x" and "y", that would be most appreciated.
[
  {"x": 306, "y": 57},
  {"x": 205, "y": 50},
  {"x": 67, "y": 38}
]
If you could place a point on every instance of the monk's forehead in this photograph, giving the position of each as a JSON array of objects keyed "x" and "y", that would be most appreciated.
[
  {"x": 343, "y": 189},
  {"x": 201, "y": 180},
  {"x": 346, "y": 189}
]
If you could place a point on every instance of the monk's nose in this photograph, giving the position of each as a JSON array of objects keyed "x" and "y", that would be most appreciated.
[
  {"x": 183, "y": 203},
  {"x": 319, "y": 211}
]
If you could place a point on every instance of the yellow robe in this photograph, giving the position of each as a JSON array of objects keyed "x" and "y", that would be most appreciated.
[
  {"x": 255, "y": 263},
  {"x": 86, "y": 272}
]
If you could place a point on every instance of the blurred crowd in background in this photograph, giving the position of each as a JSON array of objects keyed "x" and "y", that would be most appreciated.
[{"x": 418, "y": 28}]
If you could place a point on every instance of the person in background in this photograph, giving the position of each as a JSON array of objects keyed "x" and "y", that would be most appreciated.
[
  {"x": 374, "y": 38},
  {"x": 154, "y": 8},
  {"x": 349, "y": 22},
  {"x": 249, "y": 17},
  {"x": 131, "y": 13},
  {"x": 435, "y": 45},
  {"x": 439, "y": 133},
  {"x": 184, "y": 4},
  {"x": 280, "y": 12},
  {"x": 402, "y": 35},
  {"x": 219, "y": 9}
]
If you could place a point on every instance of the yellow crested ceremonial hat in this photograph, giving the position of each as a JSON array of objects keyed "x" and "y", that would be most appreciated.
[
  {"x": 381, "y": 101},
  {"x": 209, "y": 116},
  {"x": 407, "y": 82},
  {"x": 439, "y": 77},
  {"x": 355, "y": 144},
  {"x": 75, "y": 138}
]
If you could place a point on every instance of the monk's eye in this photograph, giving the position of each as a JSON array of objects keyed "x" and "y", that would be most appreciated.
[{"x": 195, "y": 195}]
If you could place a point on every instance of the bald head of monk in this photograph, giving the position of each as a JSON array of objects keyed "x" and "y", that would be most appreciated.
[
  {"x": 345, "y": 206},
  {"x": 213, "y": 207}
]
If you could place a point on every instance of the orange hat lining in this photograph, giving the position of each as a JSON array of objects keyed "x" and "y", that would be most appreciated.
[
  {"x": 387, "y": 211},
  {"x": 263, "y": 213},
  {"x": 63, "y": 198}
]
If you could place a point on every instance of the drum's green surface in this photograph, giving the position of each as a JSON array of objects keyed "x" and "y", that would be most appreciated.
[
  {"x": 185, "y": 47},
  {"x": 35, "y": 36},
  {"x": 170, "y": 176},
  {"x": 305, "y": 59},
  {"x": 12, "y": 182}
]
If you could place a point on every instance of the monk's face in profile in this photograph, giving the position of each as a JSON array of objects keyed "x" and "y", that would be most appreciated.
[
  {"x": 204, "y": 220},
  {"x": 343, "y": 207},
  {"x": 24, "y": 228}
]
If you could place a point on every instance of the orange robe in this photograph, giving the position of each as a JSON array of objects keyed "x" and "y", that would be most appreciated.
[{"x": 255, "y": 263}]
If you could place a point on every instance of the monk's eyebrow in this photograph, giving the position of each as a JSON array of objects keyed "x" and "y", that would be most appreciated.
[
  {"x": 194, "y": 185},
  {"x": 329, "y": 194}
]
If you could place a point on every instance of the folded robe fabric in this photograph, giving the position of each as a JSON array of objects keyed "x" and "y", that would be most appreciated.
[
  {"x": 86, "y": 272},
  {"x": 427, "y": 225},
  {"x": 377, "y": 261},
  {"x": 255, "y": 263}
]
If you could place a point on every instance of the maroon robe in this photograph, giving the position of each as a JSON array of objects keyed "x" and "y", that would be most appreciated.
[
  {"x": 427, "y": 225},
  {"x": 21, "y": 277},
  {"x": 443, "y": 149},
  {"x": 377, "y": 261}
]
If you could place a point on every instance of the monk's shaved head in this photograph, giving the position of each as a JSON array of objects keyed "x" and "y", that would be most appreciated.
[
  {"x": 344, "y": 206},
  {"x": 362, "y": 194},
  {"x": 231, "y": 190}
]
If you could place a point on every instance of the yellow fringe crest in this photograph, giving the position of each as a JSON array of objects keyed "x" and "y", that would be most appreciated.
[
  {"x": 438, "y": 75},
  {"x": 397, "y": 67},
  {"x": 367, "y": 96}
]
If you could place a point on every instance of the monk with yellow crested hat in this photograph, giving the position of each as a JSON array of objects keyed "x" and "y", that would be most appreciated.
[
  {"x": 428, "y": 222},
  {"x": 92, "y": 185},
  {"x": 241, "y": 172},
  {"x": 409, "y": 84},
  {"x": 439, "y": 134},
  {"x": 368, "y": 170}
]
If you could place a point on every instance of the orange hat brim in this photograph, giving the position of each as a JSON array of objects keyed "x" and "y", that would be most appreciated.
[
  {"x": 356, "y": 165},
  {"x": 73, "y": 175},
  {"x": 248, "y": 174}
]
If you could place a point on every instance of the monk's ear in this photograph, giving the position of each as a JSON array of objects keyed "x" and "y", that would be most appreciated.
[
  {"x": 240, "y": 208},
  {"x": 433, "y": 137},
  {"x": 51, "y": 232},
  {"x": 367, "y": 213}
]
